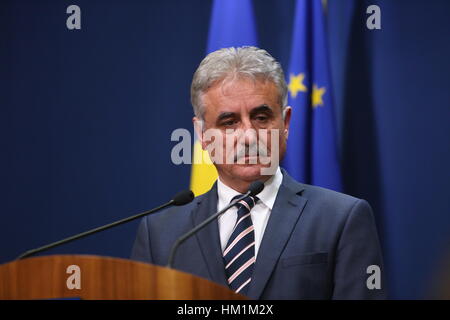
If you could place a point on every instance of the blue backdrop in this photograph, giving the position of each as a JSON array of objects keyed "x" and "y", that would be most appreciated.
[{"x": 86, "y": 118}]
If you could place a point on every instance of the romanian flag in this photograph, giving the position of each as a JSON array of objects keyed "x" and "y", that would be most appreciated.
[
  {"x": 232, "y": 25},
  {"x": 312, "y": 154}
]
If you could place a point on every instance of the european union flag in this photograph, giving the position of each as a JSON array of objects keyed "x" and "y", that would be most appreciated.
[{"x": 312, "y": 155}]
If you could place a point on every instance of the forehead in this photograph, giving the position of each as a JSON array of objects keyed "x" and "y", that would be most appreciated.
[{"x": 240, "y": 93}]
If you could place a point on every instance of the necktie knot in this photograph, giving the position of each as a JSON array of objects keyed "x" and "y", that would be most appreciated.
[{"x": 245, "y": 205}]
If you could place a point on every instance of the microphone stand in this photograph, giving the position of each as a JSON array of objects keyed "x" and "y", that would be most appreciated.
[
  {"x": 92, "y": 231},
  {"x": 187, "y": 235}
]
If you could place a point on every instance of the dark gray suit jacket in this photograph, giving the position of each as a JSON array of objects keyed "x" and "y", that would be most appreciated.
[{"x": 317, "y": 244}]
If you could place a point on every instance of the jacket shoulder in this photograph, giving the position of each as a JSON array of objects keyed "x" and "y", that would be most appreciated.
[{"x": 325, "y": 201}]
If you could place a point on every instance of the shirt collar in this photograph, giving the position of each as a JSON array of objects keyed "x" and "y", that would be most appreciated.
[{"x": 267, "y": 196}]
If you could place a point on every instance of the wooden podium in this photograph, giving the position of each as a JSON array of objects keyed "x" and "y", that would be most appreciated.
[{"x": 94, "y": 277}]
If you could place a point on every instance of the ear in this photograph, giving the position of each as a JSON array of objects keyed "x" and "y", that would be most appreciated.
[
  {"x": 287, "y": 112},
  {"x": 198, "y": 128}
]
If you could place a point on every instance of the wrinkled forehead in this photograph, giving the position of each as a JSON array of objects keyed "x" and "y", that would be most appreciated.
[{"x": 233, "y": 90}]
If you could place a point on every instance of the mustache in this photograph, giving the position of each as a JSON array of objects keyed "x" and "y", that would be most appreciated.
[{"x": 255, "y": 149}]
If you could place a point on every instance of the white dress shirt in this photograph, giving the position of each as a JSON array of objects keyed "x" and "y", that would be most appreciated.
[{"x": 260, "y": 213}]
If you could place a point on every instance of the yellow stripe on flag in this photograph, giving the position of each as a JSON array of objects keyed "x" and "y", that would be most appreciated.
[{"x": 203, "y": 174}]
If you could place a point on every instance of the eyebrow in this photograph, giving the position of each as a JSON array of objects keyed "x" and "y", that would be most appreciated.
[
  {"x": 262, "y": 108},
  {"x": 225, "y": 115}
]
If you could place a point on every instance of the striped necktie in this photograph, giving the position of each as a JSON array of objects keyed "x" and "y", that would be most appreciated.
[{"x": 239, "y": 254}]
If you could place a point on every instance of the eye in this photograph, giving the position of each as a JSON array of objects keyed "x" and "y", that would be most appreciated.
[
  {"x": 229, "y": 123},
  {"x": 262, "y": 118}
]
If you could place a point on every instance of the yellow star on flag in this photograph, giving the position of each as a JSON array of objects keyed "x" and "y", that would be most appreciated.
[
  {"x": 317, "y": 96},
  {"x": 296, "y": 84}
]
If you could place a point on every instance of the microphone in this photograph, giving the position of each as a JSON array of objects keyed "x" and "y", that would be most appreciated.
[
  {"x": 255, "y": 188},
  {"x": 181, "y": 198}
]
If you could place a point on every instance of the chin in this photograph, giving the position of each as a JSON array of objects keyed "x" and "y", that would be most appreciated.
[{"x": 247, "y": 172}]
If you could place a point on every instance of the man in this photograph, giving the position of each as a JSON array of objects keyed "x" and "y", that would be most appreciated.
[{"x": 291, "y": 241}]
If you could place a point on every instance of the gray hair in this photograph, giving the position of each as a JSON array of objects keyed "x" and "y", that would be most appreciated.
[{"x": 250, "y": 62}]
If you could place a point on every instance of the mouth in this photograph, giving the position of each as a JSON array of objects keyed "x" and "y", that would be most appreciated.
[{"x": 250, "y": 160}]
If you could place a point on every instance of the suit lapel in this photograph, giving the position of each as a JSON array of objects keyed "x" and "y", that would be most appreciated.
[
  {"x": 286, "y": 211},
  {"x": 208, "y": 238}
]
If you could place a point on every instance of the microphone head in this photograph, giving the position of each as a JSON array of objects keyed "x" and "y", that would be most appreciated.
[
  {"x": 256, "y": 187},
  {"x": 183, "y": 197}
]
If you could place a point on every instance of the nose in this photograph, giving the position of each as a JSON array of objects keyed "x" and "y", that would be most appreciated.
[{"x": 249, "y": 135}]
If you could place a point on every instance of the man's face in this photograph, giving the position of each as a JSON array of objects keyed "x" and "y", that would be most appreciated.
[{"x": 239, "y": 110}]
